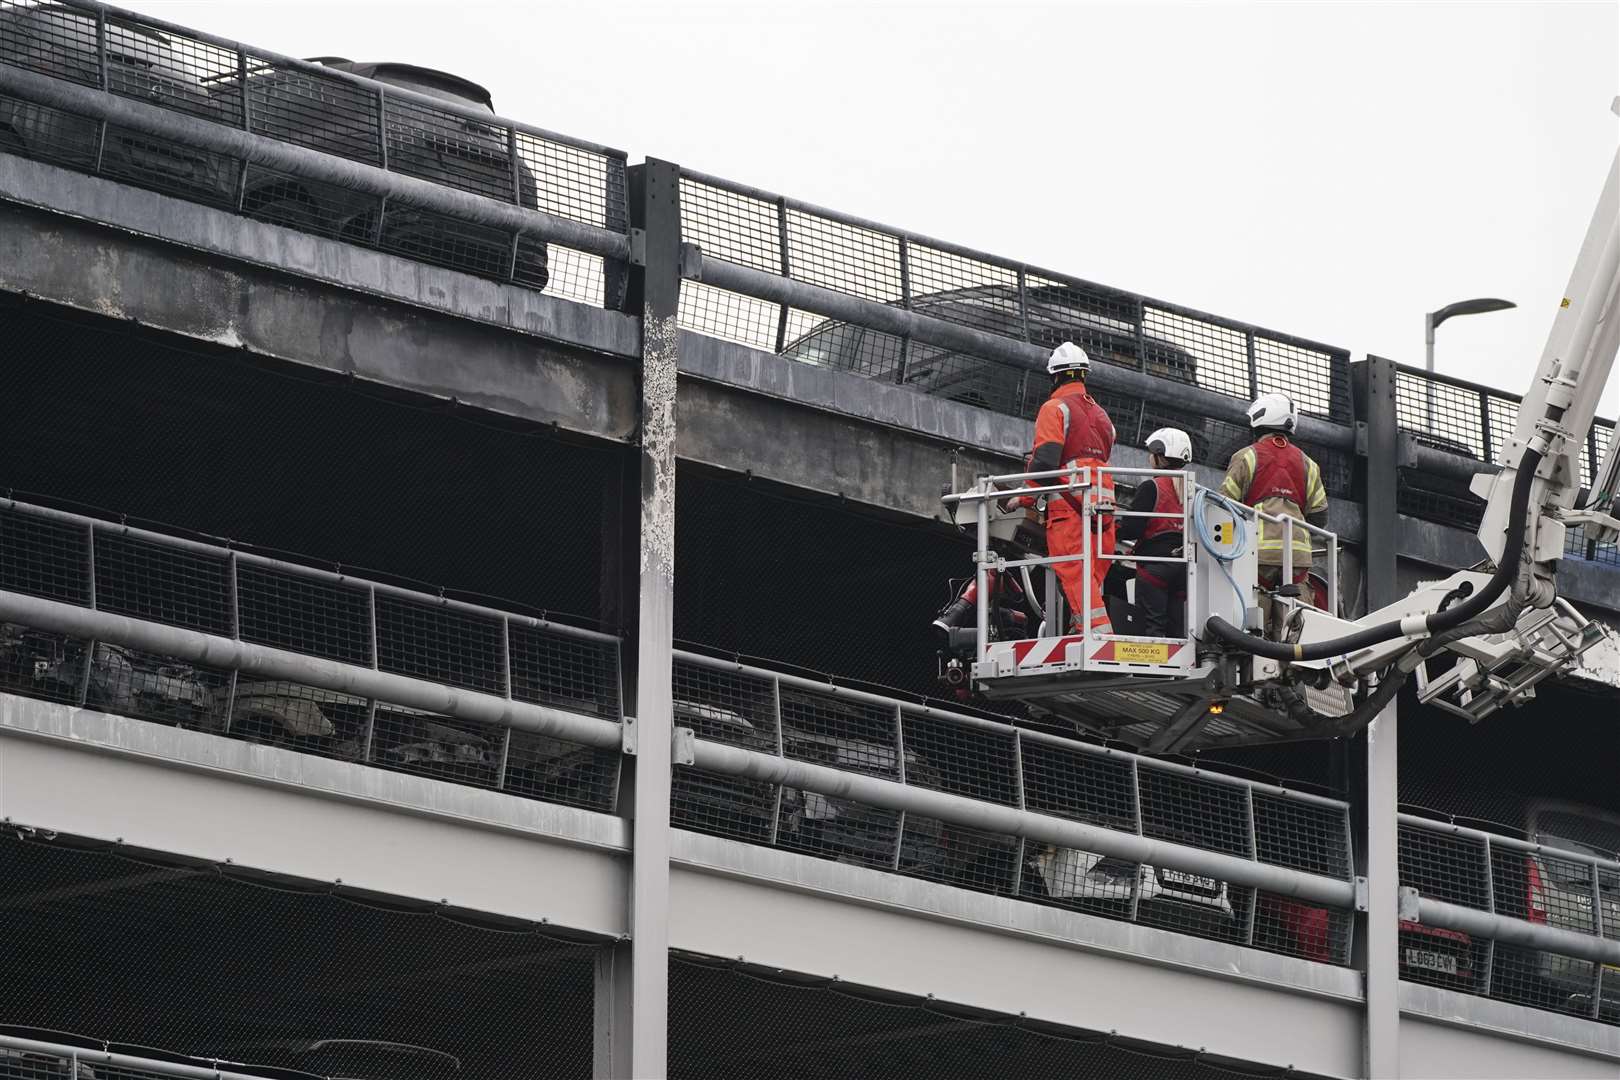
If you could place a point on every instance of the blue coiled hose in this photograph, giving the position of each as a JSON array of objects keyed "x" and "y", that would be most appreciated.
[{"x": 1240, "y": 528}]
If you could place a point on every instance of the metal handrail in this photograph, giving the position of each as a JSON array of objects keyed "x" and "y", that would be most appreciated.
[
  {"x": 918, "y": 325},
  {"x": 310, "y": 573},
  {"x": 268, "y": 662},
  {"x": 1020, "y": 734},
  {"x": 300, "y": 161},
  {"x": 1000, "y": 262},
  {"x": 1513, "y": 843}
]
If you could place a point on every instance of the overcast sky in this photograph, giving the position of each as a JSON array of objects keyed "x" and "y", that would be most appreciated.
[{"x": 1329, "y": 170}]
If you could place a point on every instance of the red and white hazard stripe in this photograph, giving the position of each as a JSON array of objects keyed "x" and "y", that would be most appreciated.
[{"x": 1042, "y": 650}]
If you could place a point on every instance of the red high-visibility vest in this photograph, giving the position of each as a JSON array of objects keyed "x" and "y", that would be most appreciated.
[
  {"x": 1279, "y": 472},
  {"x": 1167, "y": 502}
]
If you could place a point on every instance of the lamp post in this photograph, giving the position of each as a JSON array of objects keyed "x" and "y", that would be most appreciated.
[{"x": 1433, "y": 319}]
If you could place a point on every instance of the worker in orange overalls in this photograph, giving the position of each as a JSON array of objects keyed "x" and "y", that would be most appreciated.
[{"x": 1072, "y": 429}]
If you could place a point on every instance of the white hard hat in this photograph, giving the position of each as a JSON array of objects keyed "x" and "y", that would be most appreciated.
[
  {"x": 1170, "y": 443},
  {"x": 1068, "y": 357},
  {"x": 1273, "y": 411}
]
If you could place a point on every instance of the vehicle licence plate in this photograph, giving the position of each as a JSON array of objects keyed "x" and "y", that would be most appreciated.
[
  {"x": 1429, "y": 960},
  {"x": 1181, "y": 877}
]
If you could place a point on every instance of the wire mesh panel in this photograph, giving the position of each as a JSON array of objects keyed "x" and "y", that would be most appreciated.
[
  {"x": 440, "y": 644},
  {"x": 146, "y": 580},
  {"x": 1208, "y": 355},
  {"x": 739, "y": 710},
  {"x": 1444, "y": 415},
  {"x": 552, "y": 667},
  {"x": 304, "y": 614},
  {"x": 42, "y": 557}
]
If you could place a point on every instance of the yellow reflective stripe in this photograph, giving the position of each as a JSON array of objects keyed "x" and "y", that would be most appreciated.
[
  {"x": 1315, "y": 494},
  {"x": 1239, "y": 474}
]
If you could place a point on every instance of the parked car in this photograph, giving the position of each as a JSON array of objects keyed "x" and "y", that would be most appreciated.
[
  {"x": 1069, "y": 874},
  {"x": 1428, "y": 954},
  {"x": 143, "y": 64},
  {"x": 429, "y": 144},
  {"x": 1561, "y": 893}
]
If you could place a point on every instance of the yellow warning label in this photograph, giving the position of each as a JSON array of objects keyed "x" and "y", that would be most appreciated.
[
  {"x": 1565, "y": 303},
  {"x": 1141, "y": 652}
]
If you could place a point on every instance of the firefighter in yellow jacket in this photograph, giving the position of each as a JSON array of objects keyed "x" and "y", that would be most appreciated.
[{"x": 1278, "y": 478}]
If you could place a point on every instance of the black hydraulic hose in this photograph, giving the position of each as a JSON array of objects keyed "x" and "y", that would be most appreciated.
[{"x": 1506, "y": 571}]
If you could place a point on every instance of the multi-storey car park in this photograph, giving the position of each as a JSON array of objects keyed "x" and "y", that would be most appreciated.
[{"x": 388, "y": 484}]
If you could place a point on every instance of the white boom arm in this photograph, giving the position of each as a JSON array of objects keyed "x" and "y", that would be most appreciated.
[
  {"x": 1534, "y": 634},
  {"x": 1558, "y": 409}
]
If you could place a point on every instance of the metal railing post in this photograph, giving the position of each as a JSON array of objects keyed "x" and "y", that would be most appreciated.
[
  {"x": 90, "y": 594},
  {"x": 1490, "y": 905},
  {"x": 247, "y": 125},
  {"x": 900, "y": 761},
  {"x": 368, "y": 736},
  {"x": 781, "y": 752},
  {"x": 517, "y": 198},
  {"x": 1254, "y": 853},
  {"x": 102, "y": 81},
  {"x": 902, "y": 368},
  {"x": 1141, "y": 342},
  {"x": 382, "y": 128},
  {"x": 1018, "y": 776},
  {"x": 1023, "y": 303},
  {"x": 1253, "y": 364},
  {"x": 233, "y": 588},
  {"x": 1136, "y": 813},
  {"x": 785, "y": 261},
  {"x": 981, "y": 580},
  {"x": 1597, "y": 930},
  {"x": 506, "y": 692}
]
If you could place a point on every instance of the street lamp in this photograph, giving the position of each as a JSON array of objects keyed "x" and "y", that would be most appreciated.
[{"x": 1434, "y": 318}]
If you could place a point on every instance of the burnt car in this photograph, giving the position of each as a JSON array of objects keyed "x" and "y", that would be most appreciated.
[
  {"x": 337, "y": 116},
  {"x": 143, "y": 64},
  {"x": 1105, "y": 324}
]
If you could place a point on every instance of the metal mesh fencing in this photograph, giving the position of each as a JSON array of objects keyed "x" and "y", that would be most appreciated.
[
  {"x": 979, "y": 759},
  {"x": 1475, "y": 421},
  {"x": 121, "y": 952},
  {"x": 776, "y": 235},
  {"x": 330, "y": 110},
  {"x": 151, "y": 577},
  {"x": 1574, "y": 890},
  {"x": 822, "y": 1027}
]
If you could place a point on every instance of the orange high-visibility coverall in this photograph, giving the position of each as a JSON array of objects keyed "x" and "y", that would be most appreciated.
[{"x": 1072, "y": 428}]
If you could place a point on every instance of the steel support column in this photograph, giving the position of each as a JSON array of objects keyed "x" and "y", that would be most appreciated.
[
  {"x": 1382, "y": 478},
  {"x": 610, "y": 1054},
  {"x": 655, "y": 290}
]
